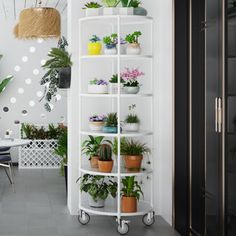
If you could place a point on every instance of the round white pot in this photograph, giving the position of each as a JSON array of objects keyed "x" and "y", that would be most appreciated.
[
  {"x": 110, "y": 11},
  {"x": 93, "y": 12},
  {"x": 131, "y": 90},
  {"x": 110, "y": 51},
  {"x": 96, "y": 125},
  {"x": 113, "y": 88},
  {"x": 133, "y": 49},
  {"x": 131, "y": 127},
  {"x": 98, "y": 204},
  {"x": 97, "y": 89},
  {"x": 126, "y": 11}
]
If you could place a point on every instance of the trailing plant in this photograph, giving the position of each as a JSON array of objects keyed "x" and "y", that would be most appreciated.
[
  {"x": 132, "y": 118},
  {"x": 130, "y": 3},
  {"x": 111, "y": 120},
  {"x": 92, "y": 5},
  {"x": 94, "y": 39},
  {"x": 58, "y": 58},
  {"x": 134, "y": 148},
  {"x": 91, "y": 146},
  {"x": 114, "y": 79},
  {"x": 98, "y": 187},
  {"x": 98, "y": 82},
  {"x": 111, "y": 3},
  {"x": 133, "y": 38},
  {"x": 105, "y": 152},
  {"x": 110, "y": 41},
  {"x": 131, "y": 187},
  {"x": 130, "y": 77}
]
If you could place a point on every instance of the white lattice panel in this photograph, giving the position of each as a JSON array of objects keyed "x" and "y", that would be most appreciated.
[{"x": 39, "y": 154}]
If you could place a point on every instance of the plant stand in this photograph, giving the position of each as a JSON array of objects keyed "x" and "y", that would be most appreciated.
[{"x": 145, "y": 208}]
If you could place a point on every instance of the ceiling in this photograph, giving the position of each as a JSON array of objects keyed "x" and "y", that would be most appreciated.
[{"x": 10, "y": 9}]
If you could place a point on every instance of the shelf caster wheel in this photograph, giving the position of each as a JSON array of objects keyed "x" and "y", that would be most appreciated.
[
  {"x": 123, "y": 228},
  {"x": 83, "y": 218},
  {"x": 149, "y": 219}
]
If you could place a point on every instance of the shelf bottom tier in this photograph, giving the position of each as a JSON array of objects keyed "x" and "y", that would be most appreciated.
[{"x": 110, "y": 209}]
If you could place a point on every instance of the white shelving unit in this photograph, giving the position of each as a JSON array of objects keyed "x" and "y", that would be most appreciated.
[{"x": 112, "y": 208}]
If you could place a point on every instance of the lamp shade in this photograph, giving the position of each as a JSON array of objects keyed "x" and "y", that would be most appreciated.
[{"x": 39, "y": 22}]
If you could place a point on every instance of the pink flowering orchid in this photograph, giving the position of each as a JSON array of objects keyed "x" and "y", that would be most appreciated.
[{"x": 131, "y": 74}]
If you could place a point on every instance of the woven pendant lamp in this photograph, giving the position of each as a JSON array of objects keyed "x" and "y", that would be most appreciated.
[{"x": 38, "y": 22}]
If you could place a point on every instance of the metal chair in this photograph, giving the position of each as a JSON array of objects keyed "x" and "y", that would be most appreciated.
[{"x": 6, "y": 162}]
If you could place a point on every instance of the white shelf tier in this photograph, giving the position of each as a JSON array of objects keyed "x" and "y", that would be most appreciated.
[
  {"x": 93, "y": 171},
  {"x": 116, "y": 95},
  {"x": 124, "y": 20},
  {"x": 110, "y": 209},
  {"x": 124, "y": 134},
  {"x": 124, "y": 57}
]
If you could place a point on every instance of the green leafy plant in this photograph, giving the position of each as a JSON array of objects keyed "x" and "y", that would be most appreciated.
[
  {"x": 92, "y": 5},
  {"x": 91, "y": 146},
  {"x": 132, "y": 118},
  {"x": 110, "y": 41},
  {"x": 111, "y": 120},
  {"x": 98, "y": 187},
  {"x": 114, "y": 79},
  {"x": 130, "y": 3},
  {"x": 105, "y": 152},
  {"x": 58, "y": 58},
  {"x": 115, "y": 146},
  {"x": 133, "y": 38},
  {"x": 111, "y": 3},
  {"x": 134, "y": 148},
  {"x": 131, "y": 187},
  {"x": 94, "y": 39}
]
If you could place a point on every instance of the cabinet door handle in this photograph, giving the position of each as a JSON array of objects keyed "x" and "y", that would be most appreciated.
[
  {"x": 216, "y": 115},
  {"x": 219, "y": 115}
]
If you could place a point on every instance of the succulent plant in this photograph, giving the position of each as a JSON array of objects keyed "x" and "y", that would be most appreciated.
[
  {"x": 105, "y": 152},
  {"x": 111, "y": 3},
  {"x": 112, "y": 120},
  {"x": 94, "y": 39},
  {"x": 92, "y": 5}
]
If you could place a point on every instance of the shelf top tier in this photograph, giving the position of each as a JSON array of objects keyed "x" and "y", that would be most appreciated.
[{"x": 113, "y": 19}]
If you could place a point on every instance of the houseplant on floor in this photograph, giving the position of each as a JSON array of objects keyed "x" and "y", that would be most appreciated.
[
  {"x": 92, "y": 9},
  {"x": 133, "y": 47},
  {"x": 132, "y": 121},
  {"x": 98, "y": 188},
  {"x": 110, "y": 7},
  {"x": 111, "y": 123},
  {"x": 94, "y": 46},
  {"x": 130, "y": 77},
  {"x": 113, "y": 84},
  {"x": 131, "y": 192},
  {"x": 90, "y": 147},
  {"x": 96, "y": 86},
  {"x": 96, "y": 122},
  {"x": 133, "y": 152},
  {"x": 105, "y": 162},
  {"x": 110, "y": 44}
]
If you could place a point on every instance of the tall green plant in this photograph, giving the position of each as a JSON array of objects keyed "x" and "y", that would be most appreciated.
[{"x": 130, "y": 3}]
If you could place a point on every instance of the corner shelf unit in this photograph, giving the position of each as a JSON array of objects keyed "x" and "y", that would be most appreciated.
[{"x": 113, "y": 208}]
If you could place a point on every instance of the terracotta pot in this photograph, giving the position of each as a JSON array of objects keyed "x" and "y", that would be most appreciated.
[
  {"x": 128, "y": 204},
  {"x": 94, "y": 161},
  {"x": 133, "y": 163},
  {"x": 105, "y": 166}
]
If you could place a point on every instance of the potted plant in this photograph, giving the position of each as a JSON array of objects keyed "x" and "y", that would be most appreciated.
[
  {"x": 105, "y": 162},
  {"x": 96, "y": 122},
  {"x": 90, "y": 147},
  {"x": 92, "y": 9},
  {"x": 133, "y": 47},
  {"x": 110, "y": 8},
  {"x": 94, "y": 46},
  {"x": 130, "y": 77},
  {"x": 113, "y": 84},
  {"x": 110, "y": 44},
  {"x": 96, "y": 86},
  {"x": 98, "y": 188},
  {"x": 127, "y": 7},
  {"x": 111, "y": 123},
  {"x": 140, "y": 11},
  {"x": 132, "y": 121},
  {"x": 133, "y": 152},
  {"x": 131, "y": 193}
]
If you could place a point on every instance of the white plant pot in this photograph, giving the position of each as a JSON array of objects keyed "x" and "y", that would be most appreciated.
[
  {"x": 126, "y": 11},
  {"x": 93, "y": 12},
  {"x": 110, "y": 51},
  {"x": 131, "y": 127},
  {"x": 110, "y": 11},
  {"x": 133, "y": 49},
  {"x": 131, "y": 90},
  {"x": 97, "y": 204},
  {"x": 7, "y": 136},
  {"x": 96, "y": 125},
  {"x": 113, "y": 88},
  {"x": 97, "y": 89}
]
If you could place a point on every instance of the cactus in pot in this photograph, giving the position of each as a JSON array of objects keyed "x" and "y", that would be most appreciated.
[{"x": 105, "y": 162}]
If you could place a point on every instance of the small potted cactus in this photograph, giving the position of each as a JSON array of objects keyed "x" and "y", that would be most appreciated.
[
  {"x": 133, "y": 47},
  {"x": 92, "y": 9},
  {"x": 94, "y": 46},
  {"x": 113, "y": 84},
  {"x": 110, "y": 44},
  {"x": 110, "y": 7},
  {"x": 111, "y": 123},
  {"x": 98, "y": 86},
  {"x": 105, "y": 162}
]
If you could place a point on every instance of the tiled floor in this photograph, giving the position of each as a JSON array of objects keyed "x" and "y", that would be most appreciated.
[{"x": 38, "y": 208}]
